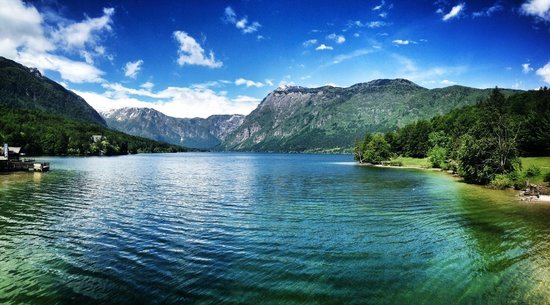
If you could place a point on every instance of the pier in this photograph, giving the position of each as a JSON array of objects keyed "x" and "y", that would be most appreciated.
[{"x": 10, "y": 161}]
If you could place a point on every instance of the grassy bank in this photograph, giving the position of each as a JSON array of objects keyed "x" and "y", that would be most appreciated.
[{"x": 542, "y": 163}]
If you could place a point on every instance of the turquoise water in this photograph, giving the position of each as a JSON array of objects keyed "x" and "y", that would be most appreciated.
[{"x": 201, "y": 228}]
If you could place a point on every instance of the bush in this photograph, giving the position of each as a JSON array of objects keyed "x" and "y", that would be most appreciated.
[
  {"x": 532, "y": 171},
  {"x": 547, "y": 177},
  {"x": 437, "y": 156},
  {"x": 502, "y": 182}
]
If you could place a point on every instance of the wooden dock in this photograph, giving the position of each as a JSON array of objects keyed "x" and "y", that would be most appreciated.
[
  {"x": 24, "y": 166},
  {"x": 10, "y": 161}
]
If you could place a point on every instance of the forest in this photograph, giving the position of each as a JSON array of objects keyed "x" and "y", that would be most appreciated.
[
  {"x": 41, "y": 133},
  {"x": 481, "y": 143}
]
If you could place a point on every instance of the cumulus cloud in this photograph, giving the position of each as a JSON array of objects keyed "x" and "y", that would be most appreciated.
[
  {"x": 455, "y": 12},
  {"x": 309, "y": 42},
  {"x": 241, "y": 23},
  {"x": 229, "y": 15},
  {"x": 544, "y": 72},
  {"x": 147, "y": 85},
  {"x": 324, "y": 47},
  {"x": 181, "y": 102},
  {"x": 337, "y": 38},
  {"x": 526, "y": 68},
  {"x": 248, "y": 83},
  {"x": 403, "y": 42},
  {"x": 376, "y": 24},
  {"x": 78, "y": 35},
  {"x": 132, "y": 68},
  {"x": 73, "y": 71},
  {"x": 26, "y": 38},
  {"x": 537, "y": 8},
  {"x": 191, "y": 53}
]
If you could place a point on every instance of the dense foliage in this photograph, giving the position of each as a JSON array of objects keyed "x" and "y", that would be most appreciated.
[
  {"x": 40, "y": 133},
  {"x": 481, "y": 143}
]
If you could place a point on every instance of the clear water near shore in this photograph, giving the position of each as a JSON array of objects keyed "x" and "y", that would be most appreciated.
[{"x": 201, "y": 228}]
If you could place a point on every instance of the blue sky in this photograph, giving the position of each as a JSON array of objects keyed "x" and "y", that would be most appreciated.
[{"x": 197, "y": 58}]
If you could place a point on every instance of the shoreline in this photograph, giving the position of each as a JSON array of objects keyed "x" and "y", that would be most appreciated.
[{"x": 520, "y": 196}]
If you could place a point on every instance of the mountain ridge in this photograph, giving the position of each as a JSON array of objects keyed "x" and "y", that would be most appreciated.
[
  {"x": 293, "y": 118},
  {"x": 197, "y": 133},
  {"x": 26, "y": 88}
]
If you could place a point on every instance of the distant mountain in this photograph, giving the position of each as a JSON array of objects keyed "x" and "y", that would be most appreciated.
[
  {"x": 326, "y": 118},
  {"x": 194, "y": 133},
  {"x": 25, "y": 88}
]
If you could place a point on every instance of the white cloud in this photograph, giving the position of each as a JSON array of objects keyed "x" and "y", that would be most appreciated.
[
  {"x": 73, "y": 71},
  {"x": 343, "y": 57},
  {"x": 337, "y": 38},
  {"x": 229, "y": 15},
  {"x": 455, "y": 11},
  {"x": 544, "y": 72},
  {"x": 181, "y": 102},
  {"x": 378, "y": 7},
  {"x": 526, "y": 68},
  {"x": 269, "y": 82},
  {"x": 403, "y": 42},
  {"x": 246, "y": 99},
  {"x": 147, "y": 85},
  {"x": 191, "y": 53},
  {"x": 537, "y": 8},
  {"x": 132, "y": 68},
  {"x": 78, "y": 35},
  {"x": 25, "y": 37},
  {"x": 376, "y": 24},
  {"x": 408, "y": 69},
  {"x": 488, "y": 11},
  {"x": 447, "y": 82},
  {"x": 248, "y": 83},
  {"x": 309, "y": 42},
  {"x": 241, "y": 23},
  {"x": 247, "y": 28},
  {"x": 324, "y": 47},
  {"x": 21, "y": 28}
]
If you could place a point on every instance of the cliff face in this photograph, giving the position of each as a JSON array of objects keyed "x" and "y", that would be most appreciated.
[
  {"x": 194, "y": 133},
  {"x": 304, "y": 119}
]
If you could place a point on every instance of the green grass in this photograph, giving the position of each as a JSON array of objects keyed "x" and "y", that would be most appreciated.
[
  {"x": 543, "y": 163},
  {"x": 413, "y": 162}
]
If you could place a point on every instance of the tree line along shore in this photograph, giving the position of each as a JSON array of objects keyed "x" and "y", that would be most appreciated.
[{"x": 483, "y": 143}]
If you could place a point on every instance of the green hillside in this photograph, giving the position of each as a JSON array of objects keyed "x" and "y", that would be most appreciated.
[
  {"x": 328, "y": 118},
  {"x": 26, "y": 88},
  {"x": 41, "y": 133}
]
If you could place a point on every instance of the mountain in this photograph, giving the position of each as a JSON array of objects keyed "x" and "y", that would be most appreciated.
[
  {"x": 25, "y": 88},
  {"x": 194, "y": 133},
  {"x": 332, "y": 118}
]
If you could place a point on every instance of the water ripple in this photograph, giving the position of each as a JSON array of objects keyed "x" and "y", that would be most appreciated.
[{"x": 270, "y": 229}]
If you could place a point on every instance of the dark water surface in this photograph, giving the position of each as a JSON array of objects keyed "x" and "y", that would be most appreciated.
[{"x": 264, "y": 229}]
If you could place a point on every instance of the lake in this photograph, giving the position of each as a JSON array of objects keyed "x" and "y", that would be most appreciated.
[{"x": 215, "y": 228}]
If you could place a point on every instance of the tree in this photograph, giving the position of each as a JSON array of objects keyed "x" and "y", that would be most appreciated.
[
  {"x": 377, "y": 150},
  {"x": 490, "y": 147}
]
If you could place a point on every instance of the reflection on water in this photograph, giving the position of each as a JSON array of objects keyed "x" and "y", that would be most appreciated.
[{"x": 264, "y": 228}]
